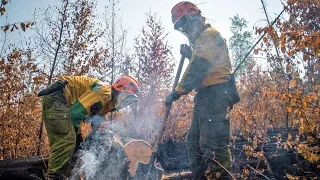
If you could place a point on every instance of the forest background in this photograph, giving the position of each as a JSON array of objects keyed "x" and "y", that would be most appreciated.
[{"x": 278, "y": 83}]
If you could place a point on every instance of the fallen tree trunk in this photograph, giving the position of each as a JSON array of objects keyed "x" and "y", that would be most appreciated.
[
  {"x": 29, "y": 168},
  {"x": 24, "y": 162}
]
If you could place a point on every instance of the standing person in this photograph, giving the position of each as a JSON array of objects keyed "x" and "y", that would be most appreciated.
[
  {"x": 69, "y": 101},
  {"x": 209, "y": 73}
]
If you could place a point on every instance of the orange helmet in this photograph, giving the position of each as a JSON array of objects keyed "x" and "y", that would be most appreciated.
[
  {"x": 126, "y": 83},
  {"x": 183, "y": 8}
]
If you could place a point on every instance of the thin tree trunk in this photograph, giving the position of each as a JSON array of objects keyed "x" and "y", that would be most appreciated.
[
  {"x": 19, "y": 131},
  {"x": 59, "y": 43},
  {"x": 2, "y": 142},
  {"x": 287, "y": 113},
  {"x": 112, "y": 59},
  {"x": 273, "y": 40},
  {"x": 52, "y": 69}
]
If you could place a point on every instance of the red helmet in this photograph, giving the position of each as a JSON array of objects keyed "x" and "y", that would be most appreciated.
[
  {"x": 126, "y": 83},
  {"x": 183, "y": 8}
]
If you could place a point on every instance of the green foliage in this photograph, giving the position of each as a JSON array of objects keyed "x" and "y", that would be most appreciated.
[{"x": 240, "y": 41}]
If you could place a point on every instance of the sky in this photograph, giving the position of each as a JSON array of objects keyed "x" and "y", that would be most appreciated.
[{"x": 217, "y": 12}]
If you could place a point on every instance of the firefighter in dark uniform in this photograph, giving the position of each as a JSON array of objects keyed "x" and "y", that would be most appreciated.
[{"x": 209, "y": 73}]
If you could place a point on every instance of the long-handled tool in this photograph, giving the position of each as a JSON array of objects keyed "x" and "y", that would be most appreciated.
[{"x": 149, "y": 171}]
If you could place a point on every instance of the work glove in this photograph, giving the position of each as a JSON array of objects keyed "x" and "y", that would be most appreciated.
[
  {"x": 173, "y": 96},
  {"x": 185, "y": 51}
]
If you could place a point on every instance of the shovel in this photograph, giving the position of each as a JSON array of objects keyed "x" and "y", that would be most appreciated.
[{"x": 149, "y": 171}]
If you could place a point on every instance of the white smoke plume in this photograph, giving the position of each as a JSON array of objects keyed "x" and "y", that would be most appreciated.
[{"x": 102, "y": 155}]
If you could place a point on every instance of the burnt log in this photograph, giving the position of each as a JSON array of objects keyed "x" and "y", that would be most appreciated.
[{"x": 29, "y": 168}]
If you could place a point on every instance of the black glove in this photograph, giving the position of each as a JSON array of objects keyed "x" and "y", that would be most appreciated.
[
  {"x": 57, "y": 86},
  {"x": 185, "y": 51},
  {"x": 173, "y": 96}
]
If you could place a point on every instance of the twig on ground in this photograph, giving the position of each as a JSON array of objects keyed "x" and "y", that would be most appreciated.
[
  {"x": 219, "y": 165},
  {"x": 240, "y": 152},
  {"x": 309, "y": 172},
  {"x": 257, "y": 172},
  {"x": 237, "y": 167}
]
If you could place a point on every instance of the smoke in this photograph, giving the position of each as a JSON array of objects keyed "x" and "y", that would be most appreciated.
[
  {"x": 146, "y": 123},
  {"x": 96, "y": 122},
  {"x": 143, "y": 124},
  {"x": 102, "y": 155}
]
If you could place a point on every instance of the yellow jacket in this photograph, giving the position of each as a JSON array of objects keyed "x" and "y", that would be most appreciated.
[
  {"x": 210, "y": 60},
  {"x": 86, "y": 96}
]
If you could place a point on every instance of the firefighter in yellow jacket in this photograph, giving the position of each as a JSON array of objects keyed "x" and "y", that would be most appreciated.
[
  {"x": 69, "y": 101},
  {"x": 209, "y": 73}
]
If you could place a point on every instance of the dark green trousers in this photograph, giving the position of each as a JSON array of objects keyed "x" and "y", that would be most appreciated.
[
  {"x": 61, "y": 132},
  {"x": 209, "y": 133}
]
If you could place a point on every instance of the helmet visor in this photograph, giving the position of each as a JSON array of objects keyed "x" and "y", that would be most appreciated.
[{"x": 125, "y": 99}]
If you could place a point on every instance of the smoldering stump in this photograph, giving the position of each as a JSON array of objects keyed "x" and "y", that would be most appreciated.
[{"x": 102, "y": 155}]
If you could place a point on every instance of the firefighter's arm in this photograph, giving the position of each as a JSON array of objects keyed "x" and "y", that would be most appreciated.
[
  {"x": 196, "y": 71},
  {"x": 88, "y": 104}
]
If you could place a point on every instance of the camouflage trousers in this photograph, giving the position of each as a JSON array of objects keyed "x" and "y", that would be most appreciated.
[
  {"x": 209, "y": 133},
  {"x": 61, "y": 133}
]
